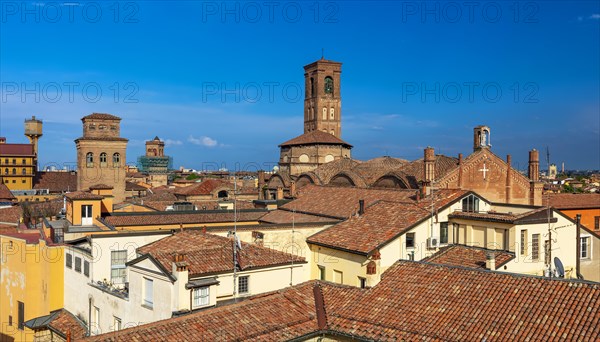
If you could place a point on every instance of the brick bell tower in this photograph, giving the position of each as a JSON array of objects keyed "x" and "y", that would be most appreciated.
[{"x": 322, "y": 97}]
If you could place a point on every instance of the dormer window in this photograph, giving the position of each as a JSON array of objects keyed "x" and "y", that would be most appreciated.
[{"x": 470, "y": 204}]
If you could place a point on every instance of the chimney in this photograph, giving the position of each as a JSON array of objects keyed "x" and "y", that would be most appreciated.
[
  {"x": 508, "y": 179},
  {"x": 428, "y": 170},
  {"x": 460, "y": 170},
  {"x": 279, "y": 193},
  {"x": 490, "y": 260},
  {"x": 261, "y": 184},
  {"x": 534, "y": 165},
  {"x": 361, "y": 207},
  {"x": 2, "y": 140},
  {"x": 181, "y": 274},
  {"x": 293, "y": 189}
]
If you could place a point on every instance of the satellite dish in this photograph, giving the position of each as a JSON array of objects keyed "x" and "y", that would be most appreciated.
[{"x": 560, "y": 269}]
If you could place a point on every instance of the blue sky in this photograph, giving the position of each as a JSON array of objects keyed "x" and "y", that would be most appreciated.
[{"x": 220, "y": 81}]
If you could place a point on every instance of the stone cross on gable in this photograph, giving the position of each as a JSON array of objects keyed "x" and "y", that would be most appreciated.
[{"x": 485, "y": 170}]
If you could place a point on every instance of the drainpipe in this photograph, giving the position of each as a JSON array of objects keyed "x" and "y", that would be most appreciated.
[
  {"x": 89, "y": 325},
  {"x": 578, "y": 245}
]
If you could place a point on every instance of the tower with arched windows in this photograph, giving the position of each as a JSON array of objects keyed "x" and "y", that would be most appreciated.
[
  {"x": 322, "y": 98},
  {"x": 101, "y": 154}
]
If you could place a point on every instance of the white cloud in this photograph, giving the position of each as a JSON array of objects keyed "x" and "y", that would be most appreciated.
[
  {"x": 203, "y": 141},
  {"x": 170, "y": 142},
  {"x": 595, "y": 16}
]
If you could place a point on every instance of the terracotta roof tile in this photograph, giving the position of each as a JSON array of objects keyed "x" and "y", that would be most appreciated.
[
  {"x": 16, "y": 150},
  {"x": 443, "y": 165},
  {"x": 56, "y": 181},
  {"x": 82, "y": 195},
  {"x": 467, "y": 256},
  {"x": 101, "y": 187},
  {"x": 315, "y": 137},
  {"x": 287, "y": 216},
  {"x": 209, "y": 254},
  {"x": 101, "y": 116},
  {"x": 130, "y": 186},
  {"x": 5, "y": 194},
  {"x": 275, "y": 316},
  {"x": 381, "y": 223},
  {"x": 341, "y": 202},
  {"x": 414, "y": 301},
  {"x": 423, "y": 301},
  {"x": 11, "y": 214},
  {"x": 173, "y": 217},
  {"x": 572, "y": 201},
  {"x": 205, "y": 187}
]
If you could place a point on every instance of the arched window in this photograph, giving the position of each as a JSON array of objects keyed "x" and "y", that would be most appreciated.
[
  {"x": 14, "y": 162},
  {"x": 5, "y": 171},
  {"x": 222, "y": 194},
  {"x": 312, "y": 86},
  {"x": 324, "y": 113},
  {"x": 89, "y": 159},
  {"x": 24, "y": 171},
  {"x": 103, "y": 159},
  {"x": 116, "y": 160},
  {"x": 331, "y": 113},
  {"x": 14, "y": 171},
  {"x": 328, "y": 85}
]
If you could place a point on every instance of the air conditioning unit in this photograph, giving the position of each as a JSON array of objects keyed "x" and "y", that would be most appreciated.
[{"x": 433, "y": 242}]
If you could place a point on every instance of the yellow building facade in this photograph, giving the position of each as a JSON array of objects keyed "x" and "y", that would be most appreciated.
[{"x": 31, "y": 281}]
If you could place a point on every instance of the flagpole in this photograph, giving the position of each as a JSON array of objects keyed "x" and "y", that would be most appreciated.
[{"x": 234, "y": 238}]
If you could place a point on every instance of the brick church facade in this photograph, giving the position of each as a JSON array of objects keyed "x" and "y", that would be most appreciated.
[{"x": 319, "y": 156}]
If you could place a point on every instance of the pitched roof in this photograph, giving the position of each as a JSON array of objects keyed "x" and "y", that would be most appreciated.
[
  {"x": 209, "y": 254},
  {"x": 11, "y": 214},
  {"x": 101, "y": 186},
  {"x": 130, "y": 186},
  {"x": 16, "y": 150},
  {"x": 316, "y": 137},
  {"x": 206, "y": 187},
  {"x": 381, "y": 223},
  {"x": 56, "y": 181},
  {"x": 279, "y": 315},
  {"x": 60, "y": 321},
  {"x": 468, "y": 256},
  {"x": 82, "y": 195},
  {"x": 174, "y": 217},
  {"x": 341, "y": 202},
  {"x": 572, "y": 201},
  {"x": 413, "y": 301},
  {"x": 5, "y": 194},
  {"x": 417, "y": 300},
  {"x": 443, "y": 165},
  {"x": 101, "y": 116},
  {"x": 287, "y": 216}
]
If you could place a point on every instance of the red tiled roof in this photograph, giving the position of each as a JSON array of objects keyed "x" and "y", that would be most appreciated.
[
  {"x": 421, "y": 301},
  {"x": 286, "y": 216},
  {"x": 169, "y": 218},
  {"x": 82, "y": 195},
  {"x": 414, "y": 301},
  {"x": 572, "y": 201},
  {"x": 341, "y": 202},
  {"x": 101, "y": 116},
  {"x": 205, "y": 187},
  {"x": 315, "y": 137},
  {"x": 25, "y": 150},
  {"x": 5, "y": 194},
  {"x": 101, "y": 187},
  {"x": 443, "y": 165},
  {"x": 129, "y": 186},
  {"x": 275, "y": 316},
  {"x": 11, "y": 214},
  {"x": 381, "y": 223},
  {"x": 61, "y": 321},
  {"x": 467, "y": 256},
  {"x": 210, "y": 254},
  {"x": 32, "y": 236},
  {"x": 56, "y": 181},
  {"x": 209, "y": 205}
]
